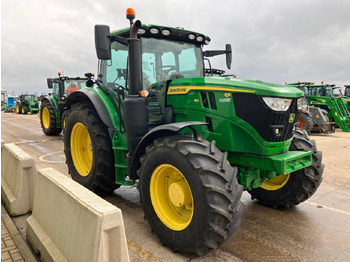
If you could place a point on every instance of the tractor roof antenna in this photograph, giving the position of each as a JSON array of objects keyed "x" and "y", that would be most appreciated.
[{"x": 130, "y": 14}]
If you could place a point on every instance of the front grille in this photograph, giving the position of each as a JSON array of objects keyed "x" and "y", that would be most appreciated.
[{"x": 252, "y": 109}]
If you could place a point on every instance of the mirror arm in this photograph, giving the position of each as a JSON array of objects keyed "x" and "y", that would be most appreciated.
[
  {"x": 119, "y": 39},
  {"x": 212, "y": 53}
]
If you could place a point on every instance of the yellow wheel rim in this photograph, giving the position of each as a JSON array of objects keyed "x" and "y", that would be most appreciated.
[
  {"x": 276, "y": 183},
  {"x": 22, "y": 110},
  {"x": 45, "y": 116},
  {"x": 81, "y": 149},
  {"x": 17, "y": 109},
  {"x": 171, "y": 197}
]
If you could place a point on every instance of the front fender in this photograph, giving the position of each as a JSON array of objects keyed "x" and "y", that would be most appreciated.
[{"x": 157, "y": 132}]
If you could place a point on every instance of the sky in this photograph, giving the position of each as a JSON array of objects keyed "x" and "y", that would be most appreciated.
[{"x": 273, "y": 41}]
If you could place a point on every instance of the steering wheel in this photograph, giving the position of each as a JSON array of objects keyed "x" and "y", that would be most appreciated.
[{"x": 165, "y": 69}]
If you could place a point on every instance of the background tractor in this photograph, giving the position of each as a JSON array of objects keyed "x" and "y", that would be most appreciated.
[
  {"x": 27, "y": 103},
  {"x": 312, "y": 118},
  {"x": 322, "y": 96},
  {"x": 52, "y": 115},
  {"x": 192, "y": 142}
]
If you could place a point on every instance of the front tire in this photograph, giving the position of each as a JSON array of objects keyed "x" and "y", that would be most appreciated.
[
  {"x": 48, "y": 119},
  {"x": 292, "y": 189},
  {"x": 18, "y": 109},
  {"x": 88, "y": 150},
  {"x": 189, "y": 194},
  {"x": 64, "y": 118}
]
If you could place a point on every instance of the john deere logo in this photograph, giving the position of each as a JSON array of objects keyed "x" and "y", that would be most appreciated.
[
  {"x": 291, "y": 118},
  {"x": 227, "y": 95}
]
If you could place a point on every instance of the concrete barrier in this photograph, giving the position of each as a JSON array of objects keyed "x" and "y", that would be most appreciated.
[
  {"x": 18, "y": 173},
  {"x": 70, "y": 223}
]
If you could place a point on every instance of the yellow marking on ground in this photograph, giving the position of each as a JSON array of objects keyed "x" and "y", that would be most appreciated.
[
  {"x": 141, "y": 252},
  {"x": 36, "y": 141},
  {"x": 329, "y": 208}
]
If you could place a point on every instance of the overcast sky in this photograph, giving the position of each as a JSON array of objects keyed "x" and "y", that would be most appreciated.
[{"x": 273, "y": 41}]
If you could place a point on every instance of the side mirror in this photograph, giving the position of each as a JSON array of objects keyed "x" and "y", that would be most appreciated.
[
  {"x": 89, "y": 83},
  {"x": 228, "y": 56},
  {"x": 49, "y": 83},
  {"x": 102, "y": 42}
]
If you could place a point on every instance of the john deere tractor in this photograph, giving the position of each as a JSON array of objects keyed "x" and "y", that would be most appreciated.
[
  {"x": 193, "y": 143},
  {"x": 27, "y": 104},
  {"x": 312, "y": 118},
  {"x": 322, "y": 96},
  {"x": 52, "y": 115}
]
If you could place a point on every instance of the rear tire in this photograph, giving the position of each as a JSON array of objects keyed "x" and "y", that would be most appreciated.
[
  {"x": 88, "y": 150},
  {"x": 48, "y": 119},
  {"x": 288, "y": 190},
  {"x": 25, "y": 110},
  {"x": 189, "y": 194},
  {"x": 305, "y": 122}
]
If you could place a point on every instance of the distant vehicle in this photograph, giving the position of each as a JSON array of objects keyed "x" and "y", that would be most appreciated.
[
  {"x": 27, "y": 104},
  {"x": 11, "y": 104},
  {"x": 3, "y": 99},
  {"x": 52, "y": 117},
  {"x": 327, "y": 106}
]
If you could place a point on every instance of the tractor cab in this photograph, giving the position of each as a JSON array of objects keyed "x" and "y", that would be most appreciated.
[{"x": 62, "y": 86}]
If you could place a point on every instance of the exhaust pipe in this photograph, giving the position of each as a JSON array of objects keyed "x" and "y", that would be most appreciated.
[
  {"x": 135, "y": 107},
  {"x": 135, "y": 60}
]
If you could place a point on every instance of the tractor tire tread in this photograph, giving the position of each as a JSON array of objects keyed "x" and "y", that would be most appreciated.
[
  {"x": 303, "y": 183},
  {"x": 52, "y": 130},
  {"x": 104, "y": 172},
  {"x": 221, "y": 190}
]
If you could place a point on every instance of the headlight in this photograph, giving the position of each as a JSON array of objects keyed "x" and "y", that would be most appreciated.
[
  {"x": 300, "y": 103},
  {"x": 278, "y": 104}
]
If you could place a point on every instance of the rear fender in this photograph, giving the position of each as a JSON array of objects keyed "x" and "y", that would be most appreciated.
[
  {"x": 49, "y": 99},
  {"x": 95, "y": 100}
]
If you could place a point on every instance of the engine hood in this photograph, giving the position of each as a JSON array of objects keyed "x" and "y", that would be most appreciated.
[{"x": 229, "y": 84}]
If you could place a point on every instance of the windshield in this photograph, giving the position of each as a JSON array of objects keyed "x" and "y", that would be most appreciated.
[
  {"x": 29, "y": 97},
  {"x": 161, "y": 59},
  {"x": 337, "y": 91},
  {"x": 320, "y": 91},
  {"x": 347, "y": 91},
  {"x": 72, "y": 85}
]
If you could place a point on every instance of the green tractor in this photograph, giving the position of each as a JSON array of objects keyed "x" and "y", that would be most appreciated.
[
  {"x": 312, "y": 118},
  {"x": 27, "y": 104},
  {"x": 322, "y": 96},
  {"x": 193, "y": 143},
  {"x": 52, "y": 113},
  {"x": 346, "y": 97}
]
